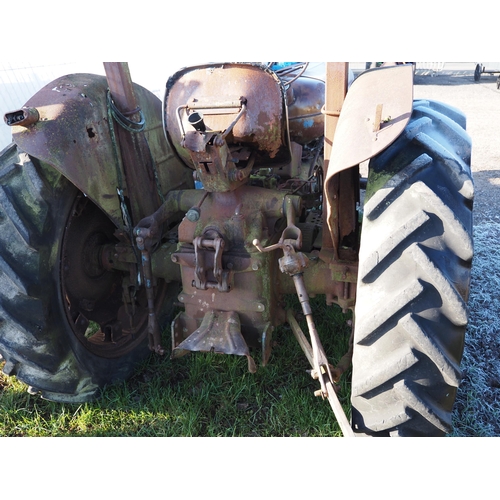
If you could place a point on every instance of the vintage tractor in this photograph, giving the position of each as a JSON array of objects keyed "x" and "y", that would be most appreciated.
[{"x": 243, "y": 187}]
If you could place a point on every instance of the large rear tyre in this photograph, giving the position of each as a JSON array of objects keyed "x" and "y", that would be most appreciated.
[
  {"x": 64, "y": 328},
  {"x": 414, "y": 273}
]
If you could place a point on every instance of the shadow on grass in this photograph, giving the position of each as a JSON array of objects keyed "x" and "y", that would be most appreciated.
[{"x": 197, "y": 395}]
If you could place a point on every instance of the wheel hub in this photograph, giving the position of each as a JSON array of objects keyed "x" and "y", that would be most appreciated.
[{"x": 105, "y": 316}]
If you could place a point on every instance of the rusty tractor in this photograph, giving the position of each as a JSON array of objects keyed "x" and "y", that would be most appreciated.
[{"x": 241, "y": 188}]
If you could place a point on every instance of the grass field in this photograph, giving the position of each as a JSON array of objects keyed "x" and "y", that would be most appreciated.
[
  {"x": 214, "y": 395},
  {"x": 197, "y": 395}
]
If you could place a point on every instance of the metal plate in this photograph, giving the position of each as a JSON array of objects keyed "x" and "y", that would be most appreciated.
[{"x": 376, "y": 110}]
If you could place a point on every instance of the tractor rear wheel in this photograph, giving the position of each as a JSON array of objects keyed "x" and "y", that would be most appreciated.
[
  {"x": 64, "y": 328},
  {"x": 414, "y": 274}
]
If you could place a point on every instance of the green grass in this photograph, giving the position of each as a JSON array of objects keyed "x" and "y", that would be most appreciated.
[{"x": 198, "y": 395}]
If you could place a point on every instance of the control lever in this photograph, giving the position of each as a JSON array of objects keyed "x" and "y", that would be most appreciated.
[
  {"x": 293, "y": 264},
  {"x": 143, "y": 239}
]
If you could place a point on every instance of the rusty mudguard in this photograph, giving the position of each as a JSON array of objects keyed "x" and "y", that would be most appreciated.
[
  {"x": 376, "y": 110},
  {"x": 66, "y": 125}
]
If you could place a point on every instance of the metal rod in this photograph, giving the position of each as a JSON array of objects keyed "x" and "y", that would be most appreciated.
[
  {"x": 301, "y": 338},
  {"x": 320, "y": 362},
  {"x": 335, "y": 92}
]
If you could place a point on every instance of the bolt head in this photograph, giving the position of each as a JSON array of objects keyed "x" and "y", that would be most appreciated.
[{"x": 193, "y": 214}]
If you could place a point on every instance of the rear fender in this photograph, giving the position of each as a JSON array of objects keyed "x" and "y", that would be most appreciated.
[
  {"x": 375, "y": 112},
  {"x": 70, "y": 131}
]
